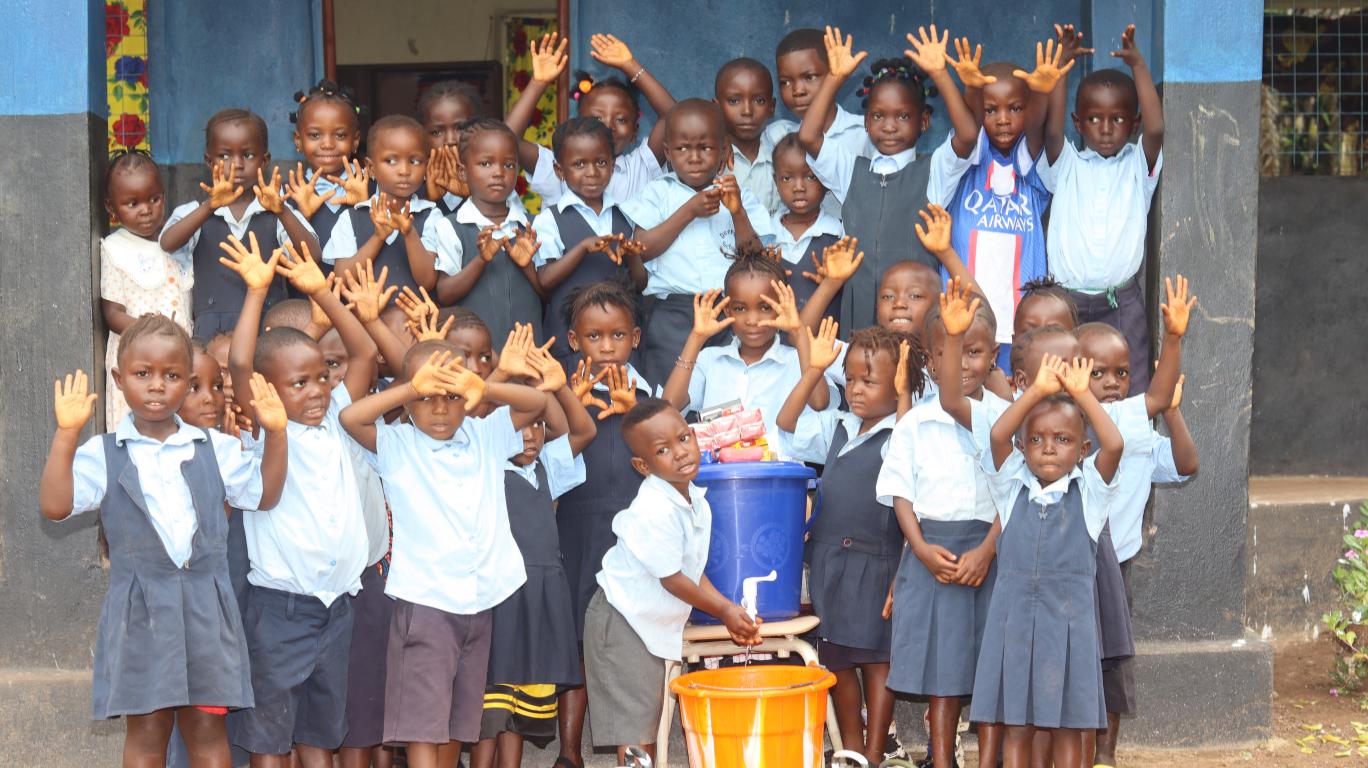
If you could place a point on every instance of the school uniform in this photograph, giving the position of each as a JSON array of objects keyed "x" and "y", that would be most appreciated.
[
  {"x": 847, "y": 131},
  {"x": 502, "y": 296},
  {"x": 880, "y": 196},
  {"x": 454, "y": 560},
  {"x": 835, "y": 373},
  {"x": 1096, "y": 239},
  {"x": 852, "y": 553},
  {"x": 219, "y": 291},
  {"x": 354, "y": 228},
  {"x": 935, "y": 464},
  {"x": 632, "y": 171},
  {"x": 798, "y": 252},
  {"x": 448, "y": 203},
  {"x": 695, "y": 262},
  {"x": 325, "y": 218},
  {"x": 560, "y": 227},
  {"x": 169, "y": 634},
  {"x": 584, "y": 514},
  {"x": 996, "y": 202},
  {"x": 307, "y": 554},
  {"x": 1040, "y": 663},
  {"x": 721, "y": 376},
  {"x": 534, "y": 651},
  {"x": 758, "y": 175},
  {"x": 633, "y": 624},
  {"x": 372, "y": 613}
]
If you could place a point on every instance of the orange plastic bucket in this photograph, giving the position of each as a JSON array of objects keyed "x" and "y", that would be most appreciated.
[{"x": 761, "y": 716}]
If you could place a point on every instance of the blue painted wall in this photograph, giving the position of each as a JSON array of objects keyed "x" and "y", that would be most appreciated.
[
  {"x": 205, "y": 56},
  {"x": 1212, "y": 41},
  {"x": 52, "y": 58}
]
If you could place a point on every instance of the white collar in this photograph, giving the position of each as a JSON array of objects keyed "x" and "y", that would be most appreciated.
[
  {"x": 459, "y": 439},
  {"x": 673, "y": 176},
  {"x": 632, "y": 373},
  {"x": 824, "y": 224},
  {"x": 672, "y": 494},
  {"x": 1050, "y": 494},
  {"x": 416, "y": 203},
  {"x": 529, "y": 472},
  {"x": 733, "y": 349},
  {"x": 183, "y": 435},
  {"x": 852, "y": 424},
  {"x": 1090, "y": 154},
  {"x": 568, "y": 199},
  {"x": 469, "y": 214},
  {"x": 902, "y": 159},
  {"x": 253, "y": 208}
]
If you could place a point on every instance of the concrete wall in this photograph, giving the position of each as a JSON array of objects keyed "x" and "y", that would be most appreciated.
[
  {"x": 1310, "y": 415},
  {"x": 414, "y": 31}
]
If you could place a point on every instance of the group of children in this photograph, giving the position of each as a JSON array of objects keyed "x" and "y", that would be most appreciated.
[{"x": 338, "y": 515}]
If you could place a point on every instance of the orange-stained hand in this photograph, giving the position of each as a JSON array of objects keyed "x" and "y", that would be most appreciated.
[
  {"x": 823, "y": 349},
  {"x": 707, "y": 307},
  {"x": 299, "y": 267},
  {"x": 550, "y": 57},
  {"x": 841, "y": 62},
  {"x": 303, "y": 190},
  {"x": 258, "y": 274},
  {"x": 1048, "y": 70},
  {"x": 222, "y": 192},
  {"x": 935, "y": 237},
  {"x": 72, "y": 401},
  {"x": 366, "y": 294},
  {"x": 958, "y": 307},
  {"x": 268, "y": 193},
  {"x": 621, "y": 391},
  {"x": 1178, "y": 309},
  {"x": 355, "y": 188},
  {"x": 270, "y": 412},
  {"x": 582, "y": 384},
  {"x": 967, "y": 65}
]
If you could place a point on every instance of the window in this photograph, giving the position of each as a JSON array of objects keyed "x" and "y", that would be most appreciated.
[{"x": 1313, "y": 110}]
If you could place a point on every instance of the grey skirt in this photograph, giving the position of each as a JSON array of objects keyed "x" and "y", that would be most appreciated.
[
  {"x": 626, "y": 682},
  {"x": 1113, "y": 607},
  {"x": 938, "y": 628}
]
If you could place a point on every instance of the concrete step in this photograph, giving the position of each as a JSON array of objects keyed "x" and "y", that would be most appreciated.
[{"x": 1293, "y": 538}]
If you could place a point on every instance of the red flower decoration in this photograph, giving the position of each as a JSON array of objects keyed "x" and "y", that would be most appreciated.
[
  {"x": 129, "y": 130},
  {"x": 520, "y": 42},
  {"x": 116, "y": 26},
  {"x": 520, "y": 186},
  {"x": 521, "y": 79}
]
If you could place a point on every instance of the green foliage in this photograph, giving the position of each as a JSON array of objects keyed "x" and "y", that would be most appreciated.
[{"x": 1347, "y": 622}]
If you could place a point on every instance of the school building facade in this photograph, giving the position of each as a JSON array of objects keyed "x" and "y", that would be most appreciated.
[{"x": 1205, "y": 676}]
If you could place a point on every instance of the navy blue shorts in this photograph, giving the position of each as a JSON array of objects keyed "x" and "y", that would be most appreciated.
[
  {"x": 1130, "y": 318},
  {"x": 299, "y": 649}
]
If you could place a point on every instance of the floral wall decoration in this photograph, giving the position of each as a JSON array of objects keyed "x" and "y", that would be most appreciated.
[
  {"x": 519, "y": 32},
  {"x": 126, "y": 73}
]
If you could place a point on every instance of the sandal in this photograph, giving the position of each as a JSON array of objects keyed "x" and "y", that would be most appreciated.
[{"x": 564, "y": 762}]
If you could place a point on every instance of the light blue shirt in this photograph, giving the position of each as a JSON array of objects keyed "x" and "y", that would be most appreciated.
[
  {"x": 185, "y": 255},
  {"x": 795, "y": 249},
  {"x": 834, "y": 166},
  {"x": 565, "y": 469},
  {"x": 453, "y": 549},
  {"x": 438, "y": 236},
  {"x": 548, "y": 232},
  {"x": 468, "y": 213},
  {"x": 170, "y": 508},
  {"x": 632, "y": 171},
  {"x": 937, "y": 465},
  {"x": 697, "y": 260},
  {"x": 325, "y": 189},
  {"x": 847, "y": 130},
  {"x": 660, "y": 534},
  {"x": 758, "y": 175},
  {"x": 812, "y": 436},
  {"x": 1014, "y": 476},
  {"x": 1146, "y": 459}
]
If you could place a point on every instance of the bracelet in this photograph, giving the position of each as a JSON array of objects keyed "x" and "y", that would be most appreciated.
[
  {"x": 637, "y": 76},
  {"x": 682, "y": 363}
]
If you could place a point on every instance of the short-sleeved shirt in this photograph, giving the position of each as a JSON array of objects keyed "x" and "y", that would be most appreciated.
[
  {"x": 453, "y": 549},
  {"x": 847, "y": 129},
  {"x": 1146, "y": 459},
  {"x": 237, "y": 227},
  {"x": 438, "y": 236},
  {"x": 796, "y": 249},
  {"x": 1015, "y": 476},
  {"x": 313, "y": 542},
  {"x": 632, "y": 171},
  {"x": 548, "y": 231},
  {"x": 834, "y": 166},
  {"x": 660, "y": 534},
  {"x": 936, "y": 464},
  {"x": 1099, "y": 216},
  {"x": 507, "y": 229},
  {"x": 564, "y": 468},
  {"x": 169, "y": 506},
  {"x": 758, "y": 175},
  {"x": 697, "y": 260},
  {"x": 995, "y": 202},
  {"x": 812, "y": 436}
]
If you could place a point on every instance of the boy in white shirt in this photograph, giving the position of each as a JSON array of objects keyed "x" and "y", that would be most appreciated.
[{"x": 649, "y": 581}]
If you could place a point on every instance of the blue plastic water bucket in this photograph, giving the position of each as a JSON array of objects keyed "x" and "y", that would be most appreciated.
[{"x": 758, "y": 511}]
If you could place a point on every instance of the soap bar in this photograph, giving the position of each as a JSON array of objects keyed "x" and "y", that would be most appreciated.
[{"x": 729, "y": 454}]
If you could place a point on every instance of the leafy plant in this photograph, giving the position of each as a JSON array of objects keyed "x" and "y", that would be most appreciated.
[{"x": 1350, "y": 674}]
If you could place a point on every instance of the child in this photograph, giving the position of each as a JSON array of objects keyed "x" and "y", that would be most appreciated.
[
  {"x": 1039, "y": 667},
  {"x": 612, "y": 102},
  {"x": 584, "y": 236},
  {"x": 442, "y": 108},
  {"x": 744, "y": 90},
  {"x": 803, "y": 230},
  {"x": 755, "y": 368},
  {"x": 137, "y": 277},
  {"x": 605, "y": 332},
  {"x": 946, "y": 513},
  {"x": 1102, "y": 195},
  {"x": 307, "y": 555},
  {"x": 491, "y": 271},
  {"x": 534, "y": 652},
  {"x": 169, "y": 647},
  {"x": 236, "y": 151},
  {"x": 800, "y": 60},
  {"x": 877, "y": 192},
  {"x": 327, "y": 133},
  {"x": 454, "y": 556},
  {"x": 681, "y": 221},
  {"x": 1044, "y": 302},
  {"x": 988, "y": 180},
  {"x": 650, "y": 579},
  {"x": 854, "y": 544},
  {"x": 396, "y": 229}
]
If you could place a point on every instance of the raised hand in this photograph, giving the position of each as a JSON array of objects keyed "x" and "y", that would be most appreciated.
[
  {"x": 437, "y": 173},
  {"x": 627, "y": 249},
  {"x": 1177, "y": 395},
  {"x": 967, "y": 65},
  {"x": 513, "y": 356},
  {"x": 365, "y": 293},
  {"x": 355, "y": 188},
  {"x": 547, "y": 367},
  {"x": 928, "y": 51},
  {"x": 304, "y": 191},
  {"x": 785, "y": 306},
  {"x": 1048, "y": 69},
  {"x": 381, "y": 217},
  {"x": 840, "y": 60},
  {"x": 317, "y": 317},
  {"x": 823, "y": 349},
  {"x": 222, "y": 192},
  {"x": 72, "y": 401},
  {"x": 453, "y": 182},
  {"x": 610, "y": 51},
  {"x": 523, "y": 247},
  {"x": 436, "y": 376},
  {"x": 1076, "y": 376},
  {"x": 401, "y": 216},
  {"x": 957, "y": 310},
  {"x": 247, "y": 262},
  {"x": 603, "y": 244},
  {"x": 582, "y": 384},
  {"x": 707, "y": 307},
  {"x": 1178, "y": 309},
  {"x": 299, "y": 267},
  {"x": 1071, "y": 42},
  {"x": 467, "y": 384},
  {"x": 1129, "y": 53},
  {"x": 621, "y": 391},
  {"x": 1050, "y": 378},
  {"x": 729, "y": 193},
  {"x": 935, "y": 237},
  {"x": 268, "y": 193},
  {"x": 901, "y": 386},
  {"x": 235, "y": 422},
  {"x": 549, "y": 57},
  {"x": 838, "y": 262},
  {"x": 270, "y": 412},
  {"x": 426, "y": 328},
  {"x": 487, "y": 245}
]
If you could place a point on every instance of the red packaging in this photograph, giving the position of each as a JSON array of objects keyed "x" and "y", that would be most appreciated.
[
  {"x": 751, "y": 432},
  {"x": 731, "y": 454}
]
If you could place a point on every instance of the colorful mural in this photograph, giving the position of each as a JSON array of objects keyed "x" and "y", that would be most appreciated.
[
  {"x": 126, "y": 73},
  {"x": 519, "y": 32}
]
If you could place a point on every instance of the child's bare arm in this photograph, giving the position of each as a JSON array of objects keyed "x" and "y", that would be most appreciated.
[
  {"x": 275, "y": 455},
  {"x": 73, "y": 404},
  {"x": 611, "y": 51},
  {"x": 1177, "y": 311},
  {"x": 935, "y": 238},
  {"x": 521, "y": 248},
  {"x": 366, "y": 296},
  {"x": 707, "y": 307},
  {"x": 1070, "y": 41},
  {"x": 382, "y": 224},
  {"x": 1048, "y": 381},
  {"x": 1183, "y": 447},
  {"x": 1109, "y": 441},
  {"x": 1151, "y": 108},
  {"x": 928, "y": 52},
  {"x": 303, "y": 272},
  {"x": 422, "y": 262},
  {"x": 578, "y": 423},
  {"x": 1049, "y": 70},
  {"x": 116, "y": 315},
  {"x": 730, "y": 192},
  {"x": 786, "y": 319},
  {"x": 453, "y": 288},
  {"x": 824, "y": 350},
  {"x": 838, "y": 263},
  {"x": 439, "y": 376},
  {"x": 957, "y": 315},
  {"x": 258, "y": 276},
  {"x": 299, "y": 234},
  {"x": 705, "y": 597},
  {"x": 549, "y": 59},
  {"x": 967, "y": 67},
  {"x": 842, "y": 63},
  {"x": 220, "y": 194}
]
